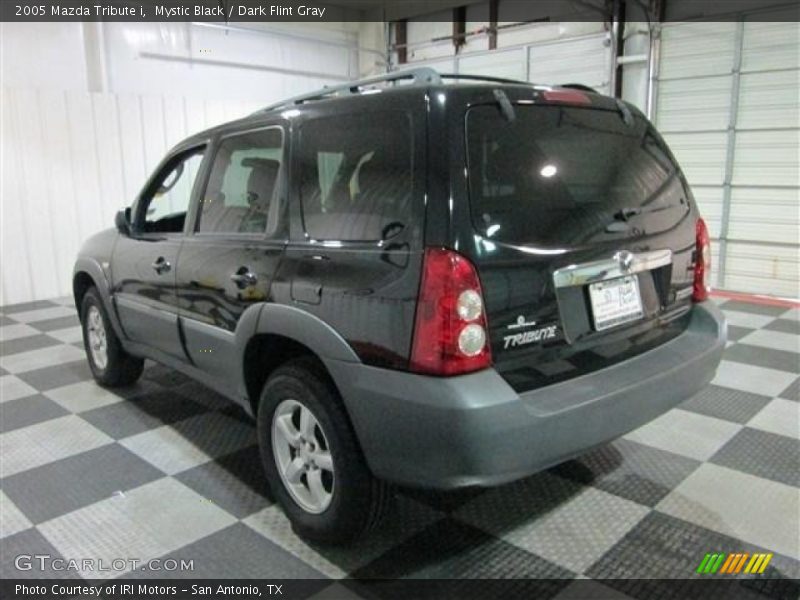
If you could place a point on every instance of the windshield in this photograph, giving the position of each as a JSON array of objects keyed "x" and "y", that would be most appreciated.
[{"x": 563, "y": 174}]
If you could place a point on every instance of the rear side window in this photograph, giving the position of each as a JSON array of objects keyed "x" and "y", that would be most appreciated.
[
  {"x": 242, "y": 191},
  {"x": 568, "y": 175},
  {"x": 355, "y": 176}
]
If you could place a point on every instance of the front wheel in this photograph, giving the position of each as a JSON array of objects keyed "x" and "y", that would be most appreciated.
[
  {"x": 311, "y": 457},
  {"x": 111, "y": 366}
]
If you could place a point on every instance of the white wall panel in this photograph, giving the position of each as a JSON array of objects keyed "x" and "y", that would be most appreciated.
[
  {"x": 769, "y": 98},
  {"x": 694, "y": 104},
  {"x": 500, "y": 63},
  {"x": 767, "y": 158},
  {"x": 697, "y": 49},
  {"x": 761, "y": 269},
  {"x": 70, "y": 160},
  {"x": 770, "y": 45},
  {"x": 585, "y": 60},
  {"x": 771, "y": 213},
  {"x": 696, "y": 88}
]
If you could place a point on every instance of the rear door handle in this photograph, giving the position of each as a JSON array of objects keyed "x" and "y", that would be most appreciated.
[
  {"x": 161, "y": 265},
  {"x": 244, "y": 277}
]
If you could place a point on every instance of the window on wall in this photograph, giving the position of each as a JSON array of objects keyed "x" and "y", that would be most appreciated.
[
  {"x": 242, "y": 191},
  {"x": 167, "y": 201},
  {"x": 356, "y": 176}
]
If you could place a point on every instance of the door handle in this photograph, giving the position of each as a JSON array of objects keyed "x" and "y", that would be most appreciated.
[
  {"x": 244, "y": 277},
  {"x": 161, "y": 265}
]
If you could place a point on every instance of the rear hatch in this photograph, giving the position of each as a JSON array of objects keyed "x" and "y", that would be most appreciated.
[{"x": 584, "y": 234}]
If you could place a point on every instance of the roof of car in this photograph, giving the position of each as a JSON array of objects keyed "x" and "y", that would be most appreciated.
[{"x": 419, "y": 80}]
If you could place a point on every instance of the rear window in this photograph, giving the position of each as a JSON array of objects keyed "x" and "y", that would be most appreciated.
[
  {"x": 561, "y": 175},
  {"x": 356, "y": 176}
]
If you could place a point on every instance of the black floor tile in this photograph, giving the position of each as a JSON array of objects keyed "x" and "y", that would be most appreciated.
[
  {"x": 633, "y": 471},
  {"x": 662, "y": 547},
  {"x": 792, "y": 392},
  {"x": 235, "y": 483},
  {"x": 726, "y": 403},
  {"x": 60, "y": 487},
  {"x": 4, "y": 320},
  {"x": 58, "y": 323},
  {"x": 764, "y": 357},
  {"x": 26, "y": 306},
  {"x": 24, "y": 344},
  {"x": 784, "y": 325},
  {"x": 28, "y": 411},
  {"x": 762, "y": 454},
  {"x": 142, "y": 413},
  {"x": 48, "y": 378}
]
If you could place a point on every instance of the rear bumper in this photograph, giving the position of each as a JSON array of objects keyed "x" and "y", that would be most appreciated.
[{"x": 476, "y": 430}]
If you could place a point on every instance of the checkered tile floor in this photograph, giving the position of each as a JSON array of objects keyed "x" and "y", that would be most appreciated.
[{"x": 170, "y": 469}]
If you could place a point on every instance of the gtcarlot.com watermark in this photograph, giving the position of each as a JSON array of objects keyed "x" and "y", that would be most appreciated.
[{"x": 46, "y": 562}]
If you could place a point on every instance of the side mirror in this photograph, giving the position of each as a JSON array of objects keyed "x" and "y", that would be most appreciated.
[{"x": 123, "y": 221}]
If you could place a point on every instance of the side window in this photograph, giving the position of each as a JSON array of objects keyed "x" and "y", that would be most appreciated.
[
  {"x": 356, "y": 176},
  {"x": 242, "y": 191},
  {"x": 166, "y": 203}
]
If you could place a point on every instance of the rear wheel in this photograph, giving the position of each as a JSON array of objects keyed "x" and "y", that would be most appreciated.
[
  {"x": 311, "y": 457},
  {"x": 110, "y": 364}
]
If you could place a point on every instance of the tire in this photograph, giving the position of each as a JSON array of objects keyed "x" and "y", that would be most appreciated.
[
  {"x": 119, "y": 368},
  {"x": 357, "y": 499}
]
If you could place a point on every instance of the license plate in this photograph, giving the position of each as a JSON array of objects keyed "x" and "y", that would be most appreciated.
[{"x": 615, "y": 302}]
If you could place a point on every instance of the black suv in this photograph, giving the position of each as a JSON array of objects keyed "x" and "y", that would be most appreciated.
[{"x": 411, "y": 281}]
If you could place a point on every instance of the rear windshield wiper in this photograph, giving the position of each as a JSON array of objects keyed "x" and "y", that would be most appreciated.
[{"x": 623, "y": 214}]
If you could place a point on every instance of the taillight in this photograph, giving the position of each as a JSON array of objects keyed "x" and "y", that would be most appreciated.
[
  {"x": 702, "y": 263},
  {"x": 450, "y": 333}
]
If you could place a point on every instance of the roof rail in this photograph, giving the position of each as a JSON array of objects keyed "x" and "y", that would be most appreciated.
[
  {"x": 488, "y": 78},
  {"x": 419, "y": 75}
]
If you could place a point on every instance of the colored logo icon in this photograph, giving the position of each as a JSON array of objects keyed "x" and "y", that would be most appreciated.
[{"x": 735, "y": 563}]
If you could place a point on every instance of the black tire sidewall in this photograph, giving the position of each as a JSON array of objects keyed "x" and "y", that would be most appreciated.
[{"x": 344, "y": 518}]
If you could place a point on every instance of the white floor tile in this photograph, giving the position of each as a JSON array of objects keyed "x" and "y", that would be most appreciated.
[
  {"x": 743, "y": 506},
  {"x": 779, "y": 416},
  {"x": 743, "y": 319},
  {"x": 43, "y": 443},
  {"x": 82, "y": 396},
  {"x": 144, "y": 523},
  {"x": 166, "y": 449},
  {"x": 686, "y": 433},
  {"x": 13, "y": 332},
  {"x": 753, "y": 379},
  {"x": 44, "y": 357},
  {"x": 773, "y": 339},
  {"x": 12, "y": 388},
  {"x": 12, "y": 520}
]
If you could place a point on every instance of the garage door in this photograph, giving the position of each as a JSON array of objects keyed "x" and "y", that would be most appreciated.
[
  {"x": 585, "y": 59},
  {"x": 728, "y": 104}
]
